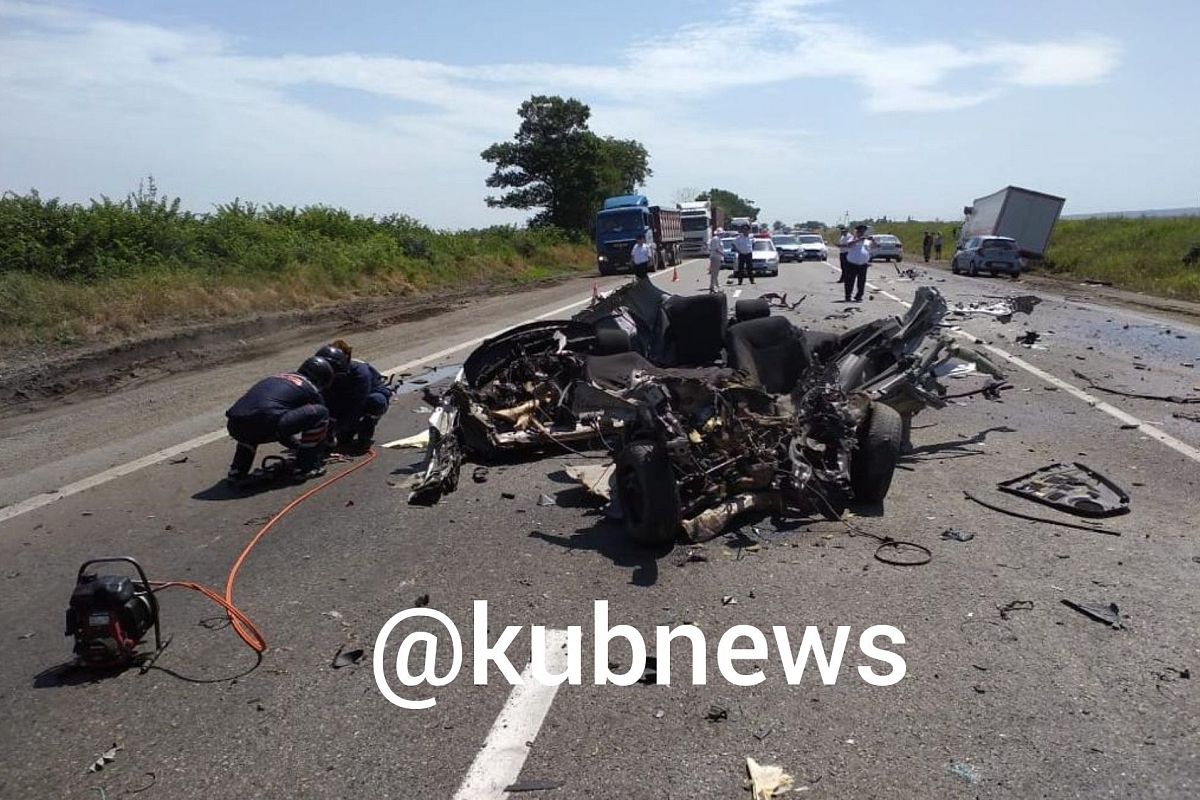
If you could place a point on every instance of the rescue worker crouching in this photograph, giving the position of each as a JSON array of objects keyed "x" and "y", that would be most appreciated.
[
  {"x": 357, "y": 398},
  {"x": 287, "y": 408}
]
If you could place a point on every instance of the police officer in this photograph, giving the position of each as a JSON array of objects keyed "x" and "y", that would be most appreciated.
[
  {"x": 357, "y": 398},
  {"x": 287, "y": 408}
]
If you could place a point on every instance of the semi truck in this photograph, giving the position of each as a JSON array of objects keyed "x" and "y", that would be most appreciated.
[
  {"x": 1021, "y": 214},
  {"x": 697, "y": 222},
  {"x": 622, "y": 220}
]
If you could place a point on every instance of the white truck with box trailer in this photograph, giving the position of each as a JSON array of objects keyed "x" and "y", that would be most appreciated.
[
  {"x": 696, "y": 218},
  {"x": 1021, "y": 214}
]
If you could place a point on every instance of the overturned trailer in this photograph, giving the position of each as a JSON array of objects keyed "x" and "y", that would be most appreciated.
[{"x": 707, "y": 415}]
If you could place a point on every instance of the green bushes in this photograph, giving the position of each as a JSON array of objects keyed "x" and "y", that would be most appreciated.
[{"x": 75, "y": 270}]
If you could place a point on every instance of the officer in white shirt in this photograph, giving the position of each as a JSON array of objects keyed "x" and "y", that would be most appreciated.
[
  {"x": 858, "y": 256},
  {"x": 843, "y": 248},
  {"x": 716, "y": 255},
  {"x": 744, "y": 246},
  {"x": 641, "y": 255}
]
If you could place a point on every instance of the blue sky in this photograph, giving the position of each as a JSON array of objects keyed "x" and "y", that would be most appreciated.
[{"x": 811, "y": 109}]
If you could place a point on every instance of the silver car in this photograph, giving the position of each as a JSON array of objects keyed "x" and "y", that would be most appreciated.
[{"x": 886, "y": 247}]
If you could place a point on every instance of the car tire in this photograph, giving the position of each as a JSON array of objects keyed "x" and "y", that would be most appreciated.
[
  {"x": 648, "y": 493},
  {"x": 874, "y": 462}
]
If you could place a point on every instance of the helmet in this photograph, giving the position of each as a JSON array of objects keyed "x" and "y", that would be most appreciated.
[
  {"x": 318, "y": 370},
  {"x": 338, "y": 358}
]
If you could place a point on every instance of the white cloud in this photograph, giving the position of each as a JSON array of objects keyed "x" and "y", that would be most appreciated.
[{"x": 92, "y": 101}]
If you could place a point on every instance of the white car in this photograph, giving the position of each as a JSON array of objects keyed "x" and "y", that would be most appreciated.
[
  {"x": 765, "y": 258},
  {"x": 813, "y": 246}
]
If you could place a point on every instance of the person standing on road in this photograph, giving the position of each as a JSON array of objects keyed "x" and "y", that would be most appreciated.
[
  {"x": 937, "y": 245},
  {"x": 641, "y": 256},
  {"x": 744, "y": 246},
  {"x": 843, "y": 247},
  {"x": 858, "y": 257},
  {"x": 927, "y": 245},
  {"x": 716, "y": 255}
]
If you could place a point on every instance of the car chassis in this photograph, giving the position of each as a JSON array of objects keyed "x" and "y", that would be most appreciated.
[{"x": 707, "y": 416}]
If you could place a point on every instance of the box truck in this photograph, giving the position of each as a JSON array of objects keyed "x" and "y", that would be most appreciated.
[{"x": 1021, "y": 214}]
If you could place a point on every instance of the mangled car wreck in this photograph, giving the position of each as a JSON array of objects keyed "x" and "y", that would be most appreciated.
[{"x": 707, "y": 415}]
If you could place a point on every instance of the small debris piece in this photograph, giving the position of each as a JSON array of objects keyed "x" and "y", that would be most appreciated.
[
  {"x": 533, "y": 785},
  {"x": 659, "y": 713},
  {"x": 1099, "y": 611},
  {"x": 105, "y": 758},
  {"x": 418, "y": 441},
  {"x": 546, "y": 500},
  {"x": 957, "y": 535},
  {"x": 729, "y": 600},
  {"x": 765, "y": 730},
  {"x": 178, "y": 460},
  {"x": 767, "y": 781},
  {"x": 508, "y": 495},
  {"x": 717, "y": 713},
  {"x": 480, "y": 475},
  {"x": 1014, "y": 605},
  {"x": 595, "y": 478},
  {"x": 344, "y": 657},
  {"x": 1166, "y": 398},
  {"x": 965, "y": 771},
  {"x": 421, "y": 601}
]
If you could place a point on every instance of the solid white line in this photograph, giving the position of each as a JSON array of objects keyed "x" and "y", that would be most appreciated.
[
  {"x": 507, "y": 746},
  {"x": 25, "y": 506},
  {"x": 121, "y": 470},
  {"x": 1124, "y": 417}
]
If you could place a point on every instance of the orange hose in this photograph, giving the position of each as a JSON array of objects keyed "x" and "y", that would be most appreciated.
[{"x": 242, "y": 624}]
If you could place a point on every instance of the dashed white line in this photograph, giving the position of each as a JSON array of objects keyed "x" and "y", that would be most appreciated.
[
  {"x": 498, "y": 764},
  {"x": 121, "y": 470}
]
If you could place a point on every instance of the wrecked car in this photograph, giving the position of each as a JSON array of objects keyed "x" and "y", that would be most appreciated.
[{"x": 707, "y": 414}]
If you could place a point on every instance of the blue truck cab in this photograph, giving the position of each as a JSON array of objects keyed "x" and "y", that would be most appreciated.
[{"x": 618, "y": 225}]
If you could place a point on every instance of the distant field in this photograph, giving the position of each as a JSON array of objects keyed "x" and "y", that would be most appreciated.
[
  {"x": 74, "y": 273},
  {"x": 1144, "y": 255}
]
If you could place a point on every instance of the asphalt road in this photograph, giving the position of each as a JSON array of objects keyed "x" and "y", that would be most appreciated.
[{"x": 1038, "y": 701}]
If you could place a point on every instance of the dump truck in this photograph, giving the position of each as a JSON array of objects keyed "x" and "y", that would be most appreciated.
[
  {"x": 622, "y": 220},
  {"x": 1021, "y": 214}
]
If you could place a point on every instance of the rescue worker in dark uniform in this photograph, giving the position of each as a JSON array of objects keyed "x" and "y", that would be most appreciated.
[
  {"x": 357, "y": 398},
  {"x": 287, "y": 408}
]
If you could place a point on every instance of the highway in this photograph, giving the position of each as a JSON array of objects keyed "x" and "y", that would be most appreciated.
[{"x": 1008, "y": 692}]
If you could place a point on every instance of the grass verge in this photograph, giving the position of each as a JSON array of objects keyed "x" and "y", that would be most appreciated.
[{"x": 72, "y": 274}]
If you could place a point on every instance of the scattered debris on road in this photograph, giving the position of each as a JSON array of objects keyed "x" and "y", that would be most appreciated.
[
  {"x": 1165, "y": 398},
  {"x": 1094, "y": 528},
  {"x": 1075, "y": 488},
  {"x": 105, "y": 758},
  {"x": 344, "y": 657},
  {"x": 533, "y": 785},
  {"x": 1101, "y": 612},
  {"x": 957, "y": 535},
  {"x": 716, "y": 713},
  {"x": 767, "y": 781},
  {"x": 1002, "y": 310},
  {"x": 1014, "y": 605}
]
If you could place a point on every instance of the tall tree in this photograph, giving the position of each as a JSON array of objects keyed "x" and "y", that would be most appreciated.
[
  {"x": 777, "y": 225},
  {"x": 556, "y": 163},
  {"x": 731, "y": 203}
]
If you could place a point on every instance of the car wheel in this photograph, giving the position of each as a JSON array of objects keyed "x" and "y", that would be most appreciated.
[
  {"x": 874, "y": 462},
  {"x": 648, "y": 493}
]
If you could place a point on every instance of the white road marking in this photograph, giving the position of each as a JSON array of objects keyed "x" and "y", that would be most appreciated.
[
  {"x": 1124, "y": 417},
  {"x": 498, "y": 764},
  {"x": 121, "y": 470},
  {"x": 37, "y": 501}
]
